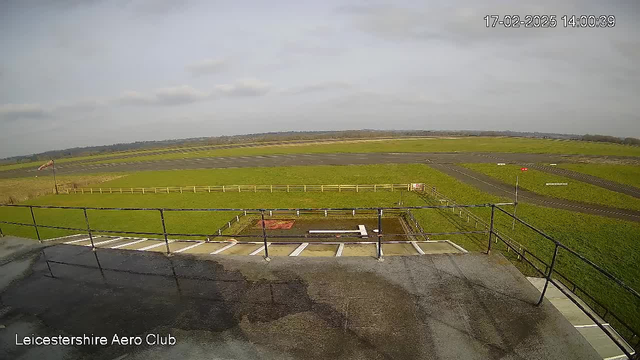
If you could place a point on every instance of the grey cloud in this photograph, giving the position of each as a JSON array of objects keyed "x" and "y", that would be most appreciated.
[
  {"x": 320, "y": 87},
  {"x": 169, "y": 96},
  {"x": 244, "y": 87},
  {"x": 13, "y": 112},
  {"x": 299, "y": 48},
  {"x": 208, "y": 66}
]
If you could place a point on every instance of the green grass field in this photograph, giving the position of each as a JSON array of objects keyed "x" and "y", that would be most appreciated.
[
  {"x": 623, "y": 174},
  {"x": 610, "y": 243},
  {"x": 475, "y": 144},
  {"x": 535, "y": 181}
]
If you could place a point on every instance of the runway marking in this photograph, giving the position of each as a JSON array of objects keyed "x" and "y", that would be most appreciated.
[
  {"x": 105, "y": 242},
  {"x": 223, "y": 249},
  {"x": 154, "y": 246},
  {"x": 299, "y": 249},
  {"x": 189, "y": 247},
  {"x": 131, "y": 243}
]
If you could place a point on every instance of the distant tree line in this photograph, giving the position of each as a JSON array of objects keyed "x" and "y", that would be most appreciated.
[
  {"x": 611, "y": 139},
  {"x": 300, "y": 136}
]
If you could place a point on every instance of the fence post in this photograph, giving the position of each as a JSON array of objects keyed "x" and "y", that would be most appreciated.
[
  {"x": 287, "y": 188},
  {"x": 86, "y": 219},
  {"x": 375, "y": 187},
  {"x": 238, "y": 188},
  {"x": 321, "y": 188},
  {"x": 357, "y": 188},
  {"x": 223, "y": 190},
  {"x": 379, "y": 234},
  {"x": 493, "y": 209},
  {"x": 194, "y": 189},
  {"x": 546, "y": 283},
  {"x": 209, "y": 188},
  {"x": 255, "y": 188},
  {"x": 35, "y": 225},
  {"x": 264, "y": 237},
  {"x": 164, "y": 231},
  {"x": 271, "y": 187}
]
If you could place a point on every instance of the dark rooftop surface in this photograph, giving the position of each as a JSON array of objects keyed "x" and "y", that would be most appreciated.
[{"x": 463, "y": 306}]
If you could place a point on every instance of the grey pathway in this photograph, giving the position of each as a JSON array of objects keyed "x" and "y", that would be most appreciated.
[{"x": 493, "y": 186}]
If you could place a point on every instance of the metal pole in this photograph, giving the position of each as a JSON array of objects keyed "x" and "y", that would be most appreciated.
[
  {"x": 164, "y": 231},
  {"x": 86, "y": 219},
  {"x": 35, "y": 225},
  {"x": 553, "y": 262},
  {"x": 515, "y": 206},
  {"x": 379, "y": 234},
  {"x": 264, "y": 237},
  {"x": 54, "y": 175},
  {"x": 493, "y": 210}
]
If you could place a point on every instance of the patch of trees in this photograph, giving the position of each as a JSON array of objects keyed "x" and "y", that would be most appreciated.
[{"x": 611, "y": 139}]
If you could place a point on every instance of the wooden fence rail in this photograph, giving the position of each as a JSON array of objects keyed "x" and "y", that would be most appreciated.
[{"x": 247, "y": 188}]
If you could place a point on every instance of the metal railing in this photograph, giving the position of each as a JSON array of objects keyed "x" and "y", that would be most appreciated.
[
  {"x": 523, "y": 254},
  {"x": 633, "y": 338},
  {"x": 244, "y": 188}
]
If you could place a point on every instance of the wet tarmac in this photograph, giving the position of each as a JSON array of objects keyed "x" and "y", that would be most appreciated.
[{"x": 470, "y": 306}]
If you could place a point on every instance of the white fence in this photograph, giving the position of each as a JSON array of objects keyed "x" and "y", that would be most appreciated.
[{"x": 248, "y": 188}]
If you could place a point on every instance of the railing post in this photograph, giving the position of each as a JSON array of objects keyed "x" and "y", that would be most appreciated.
[
  {"x": 164, "y": 231},
  {"x": 379, "y": 234},
  {"x": 35, "y": 225},
  {"x": 546, "y": 283},
  {"x": 264, "y": 237},
  {"x": 493, "y": 210},
  {"x": 86, "y": 220}
]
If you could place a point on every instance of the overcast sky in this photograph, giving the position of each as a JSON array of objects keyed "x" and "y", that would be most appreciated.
[{"x": 80, "y": 73}]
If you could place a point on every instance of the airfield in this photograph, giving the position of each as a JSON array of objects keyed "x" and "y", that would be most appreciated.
[{"x": 431, "y": 261}]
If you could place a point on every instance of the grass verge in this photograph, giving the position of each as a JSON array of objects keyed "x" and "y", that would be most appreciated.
[{"x": 534, "y": 180}]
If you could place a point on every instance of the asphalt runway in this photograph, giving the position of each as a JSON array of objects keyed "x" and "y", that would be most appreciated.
[{"x": 298, "y": 160}]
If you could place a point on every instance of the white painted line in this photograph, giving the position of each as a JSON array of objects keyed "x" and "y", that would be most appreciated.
[
  {"x": 130, "y": 243},
  {"x": 299, "y": 249},
  {"x": 623, "y": 356},
  {"x": 363, "y": 230},
  {"x": 340, "y": 248},
  {"x": 154, "y": 246},
  {"x": 75, "y": 241},
  {"x": 418, "y": 249},
  {"x": 105, "y": 242},
  {"x": 381, "y": 253},
  {"x": 60, "y": 238},
  {"x": 189, "y": 247},
  {"x": 261, "y": 248},
  {"x": 590, "y": 325},
  {"x": 223, "y": 249},
  {"x": 457, "y": 246}
]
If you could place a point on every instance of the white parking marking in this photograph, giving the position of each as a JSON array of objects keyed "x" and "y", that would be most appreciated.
[
  {"x": 75, "y": 241},
  {"x": 130, "y": 243},
  {"x": 299, "y": 249},
  {"x": 105, "y": 242},
  {"x": 223, "y": 249},
  {"x": 155, "y": 245},
  {"x": 189, "y": 247}
]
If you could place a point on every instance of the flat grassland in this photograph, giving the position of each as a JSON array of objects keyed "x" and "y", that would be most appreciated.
[
  {"x": 474, "y": 144},
  {"x": 610, "y": 243},
  {"x": 461, "y": 144},
  {"x": 623, "y": 174},
  {"x": 15, "y": 190},
  {"x": 534, "y": 180}
]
